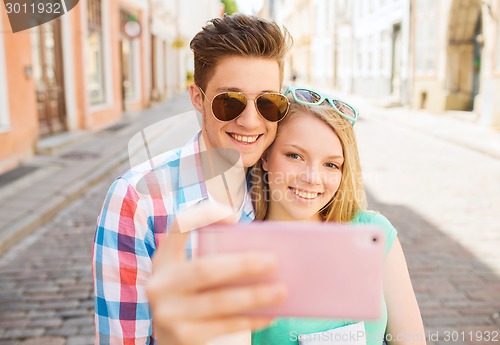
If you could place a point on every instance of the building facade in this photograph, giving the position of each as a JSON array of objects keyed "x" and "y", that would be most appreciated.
[
  {"x": 357, "y": 46},
  {"x": 380, "y": 41},
  {"x": 174, "y": 23},
  {"x": 84, "y": 70},
  {"x": 456, "y": 45},
  {"x": 309, "y": 22},
  {"x": 433, "y": 55}
]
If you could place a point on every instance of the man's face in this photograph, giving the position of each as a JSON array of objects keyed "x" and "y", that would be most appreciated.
[{"x": 249, "y": 134}]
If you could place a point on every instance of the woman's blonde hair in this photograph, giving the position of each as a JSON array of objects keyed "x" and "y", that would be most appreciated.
[{"x": 350, "y": 196}]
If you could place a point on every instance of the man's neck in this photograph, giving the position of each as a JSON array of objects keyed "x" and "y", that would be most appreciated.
[{"x": 225, "y": 177}]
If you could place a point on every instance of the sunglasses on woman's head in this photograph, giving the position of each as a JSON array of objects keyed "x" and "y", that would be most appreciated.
[
  {"x": 227, "y": 106},
  {"x": 309, "y": 97}
]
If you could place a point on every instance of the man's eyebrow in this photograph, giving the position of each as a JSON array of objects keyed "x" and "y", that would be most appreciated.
[
  {"x": 223, "y": 89},
  {"x": 235, "y": 89}
]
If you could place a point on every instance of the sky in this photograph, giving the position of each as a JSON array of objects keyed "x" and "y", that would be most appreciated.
[{"x": 249, "y": 6}]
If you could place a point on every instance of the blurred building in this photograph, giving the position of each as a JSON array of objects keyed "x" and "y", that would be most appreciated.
[
  {"x": 309, "y": 22},
  {"x": 358, "y": 46},
  {"x": 456, "y": 45},
  {"x": 174, "y": 24},
  {"x": 433, "y": 55},
  {"x": 83, "y": 71},
  {"x": 379, "y": 54}
]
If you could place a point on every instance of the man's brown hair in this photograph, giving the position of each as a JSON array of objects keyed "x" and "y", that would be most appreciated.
[{"x": 237, "y": 35}]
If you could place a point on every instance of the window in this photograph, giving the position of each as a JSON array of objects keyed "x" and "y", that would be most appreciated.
[
  {"x": 95, "y": 57},
  {"x": 382, "y": 51},
  {"x": 130, "y": 60},
  {"x": 359, "y": 49},
  {"x": 359, "y": 8},
  {"x": 4, "y": 94},
  {"x": 498, "y": 46},
  {"x": 425, "y": 37}
]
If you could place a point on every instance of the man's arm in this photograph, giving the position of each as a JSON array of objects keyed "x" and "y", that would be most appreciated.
[
  {"x": 192, "y": 301},
  {"x": 121, "y": 265}
]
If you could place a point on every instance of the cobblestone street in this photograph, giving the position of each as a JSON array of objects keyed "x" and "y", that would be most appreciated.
[
  {"x": 46, "y": 281},
  {"x": 442, "y": 198}
]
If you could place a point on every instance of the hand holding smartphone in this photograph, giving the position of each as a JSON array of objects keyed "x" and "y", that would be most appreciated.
[{"x": 331, "y": 270}]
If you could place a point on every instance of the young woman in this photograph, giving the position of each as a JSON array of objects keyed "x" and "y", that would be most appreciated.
[{"x": 312, "y": 173}]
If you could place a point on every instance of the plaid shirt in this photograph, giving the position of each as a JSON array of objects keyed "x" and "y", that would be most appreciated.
[{"x": 139, "y": 206}]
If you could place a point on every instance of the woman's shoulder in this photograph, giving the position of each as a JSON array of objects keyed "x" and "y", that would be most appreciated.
[
  {"x": 379, "y": 220},
  {"x": 372, "y": 217}
]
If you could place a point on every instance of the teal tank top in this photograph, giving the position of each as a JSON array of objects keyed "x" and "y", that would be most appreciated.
[{"x": 286, "y": 331}]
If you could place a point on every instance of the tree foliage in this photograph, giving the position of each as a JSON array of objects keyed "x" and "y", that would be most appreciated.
[{"x": 230, "y": 6}]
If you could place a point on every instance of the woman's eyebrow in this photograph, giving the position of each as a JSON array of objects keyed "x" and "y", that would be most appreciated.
[
  {"x": 302, "y": 150},
  {"x": 295, "y": 147}
]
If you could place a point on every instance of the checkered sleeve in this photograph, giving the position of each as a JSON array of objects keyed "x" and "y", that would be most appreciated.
[{"x": 121, "y": 265}]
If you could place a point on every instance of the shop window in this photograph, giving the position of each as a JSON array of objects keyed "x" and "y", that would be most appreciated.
[{"x": 95, "y": 54}]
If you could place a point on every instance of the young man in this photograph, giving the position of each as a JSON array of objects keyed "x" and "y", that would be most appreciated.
[{"x": 238, "y": 77}]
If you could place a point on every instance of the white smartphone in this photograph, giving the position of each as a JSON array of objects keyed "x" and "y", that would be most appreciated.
[{"x": 331, "y": 270}]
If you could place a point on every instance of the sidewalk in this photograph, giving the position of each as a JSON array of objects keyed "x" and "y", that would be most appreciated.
[
  {"x": 36, "y": 191},
  {"x": 453, "y": 126}
]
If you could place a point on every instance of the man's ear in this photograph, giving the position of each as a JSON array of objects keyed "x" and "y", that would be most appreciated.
[
  {"x": 263, "y": 160},
  {"x": 196, "y": 97}
]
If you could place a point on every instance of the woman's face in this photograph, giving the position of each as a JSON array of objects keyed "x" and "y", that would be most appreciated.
[{"x": 304, "y": 168}]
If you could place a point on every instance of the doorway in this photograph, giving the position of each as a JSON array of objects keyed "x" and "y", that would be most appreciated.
[
  {"x": 396, "y": 62},
  {"x": 476, "y": 60},
  {"x": 464, "y": 52},
  {"x": 49, "y": 78}
]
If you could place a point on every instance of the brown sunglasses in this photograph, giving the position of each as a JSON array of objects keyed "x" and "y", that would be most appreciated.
[{"x": 227, "y": 106}]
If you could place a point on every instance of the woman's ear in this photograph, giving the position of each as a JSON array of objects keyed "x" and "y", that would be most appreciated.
[
  {"x": 196, "y": 97},
  {"x": 263, "y": 160}
]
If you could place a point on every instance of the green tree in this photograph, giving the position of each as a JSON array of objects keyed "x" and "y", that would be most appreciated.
[{"x": 230, "y": 6}]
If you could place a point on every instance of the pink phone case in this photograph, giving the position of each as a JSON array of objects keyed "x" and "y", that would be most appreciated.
[{"x": 331, "y": 270}]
